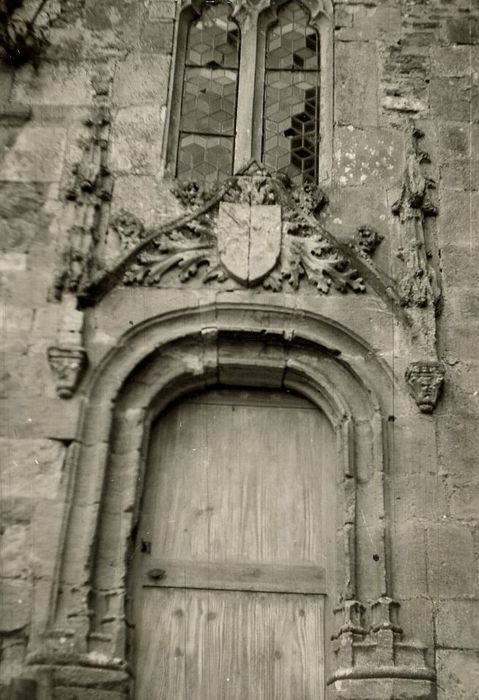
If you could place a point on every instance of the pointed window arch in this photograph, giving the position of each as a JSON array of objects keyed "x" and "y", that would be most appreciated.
[
  {"x": 208, "y": 104},
  {"x": 291, "y": 95},
  {"x": 252, "y": 81}
]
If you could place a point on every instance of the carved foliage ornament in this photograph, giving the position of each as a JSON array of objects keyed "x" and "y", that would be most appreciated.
[
  {"x": 256, "y": 230},
  {"x": 425, "y": 380},
  {"x": 22, "y": 39},
  {"x": 68, "y": 365}
]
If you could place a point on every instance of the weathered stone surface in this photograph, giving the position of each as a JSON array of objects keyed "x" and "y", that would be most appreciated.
[
  {"x": 451, "y": 61},
  {"x": 157, "y": 36},
  {"x": 136, "y": 140},
  {"x": 20, "y": 215},
  {"x": 457, "y": 674},
  {"x": 12, "y": 658},
  {"x": 450, "y": 556},
  {"x": 14, "y": 605},
  {"x": 356, "y": 81},
  {"x": 35, "y": 156},
  {"x": 70, "y": 693},
  {"x": 140, "y": 79},
  {"x": 54, "y": 84},
  {"x": 33, "y": 417},
  {"x": 457, "y": 624},
  {"x": 367, "y": 156},
  {"x": 462, "y": 30},
  {"x": 31, "y": 466},
  {"x": 85, "y": 677},
  {"x": 14, "y": 543},
  {"x": 451, "y": 99},
  {"x": 454, "y": 140}
]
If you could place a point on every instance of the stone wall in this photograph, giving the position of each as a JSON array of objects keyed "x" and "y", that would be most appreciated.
[{"x": 395, "y": 60}]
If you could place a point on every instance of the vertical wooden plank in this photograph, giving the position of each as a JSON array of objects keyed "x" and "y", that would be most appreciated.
[
  {"x": 232, "y": 646},
  {"x": 238, "y": 482},
  {"x": 235, "y": 476}
]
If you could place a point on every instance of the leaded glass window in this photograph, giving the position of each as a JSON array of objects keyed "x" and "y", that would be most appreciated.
[
  {"x": 208, "y": 104},
  {"x": 291, "y": 96},
  {"x": 253, "y": 82}
]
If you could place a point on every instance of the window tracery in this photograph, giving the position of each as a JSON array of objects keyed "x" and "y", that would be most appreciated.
[
  {"x": 291, "y": 96},
  {"x": 208, "y": 110},
  {"x": 248, "y": 86}
]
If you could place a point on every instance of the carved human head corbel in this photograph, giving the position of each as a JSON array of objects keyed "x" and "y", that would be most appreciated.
[{"x": 425, "y": 379}]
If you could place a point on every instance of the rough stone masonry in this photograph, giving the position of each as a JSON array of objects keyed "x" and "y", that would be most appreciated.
[{"x": 83, "y": 132}]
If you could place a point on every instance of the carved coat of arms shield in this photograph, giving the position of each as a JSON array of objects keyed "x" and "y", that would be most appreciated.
[{"x": 249, "y": 239}]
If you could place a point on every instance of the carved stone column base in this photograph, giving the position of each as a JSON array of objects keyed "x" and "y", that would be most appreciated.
[
  {"x": 378, "y": 665},
  {"x": 55, "y": 680},
  {"x": 386, "y": 688}
]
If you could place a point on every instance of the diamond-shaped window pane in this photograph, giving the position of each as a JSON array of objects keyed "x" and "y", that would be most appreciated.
[
  {"x": 291, "y": 123},
  {"x": 204, "y": 158},
  {"x": 209, "y": 101},
  {"x": 291, "y": 95},
  {"x": 213, "y": 38},
  {"x": 208, "y": 108}
]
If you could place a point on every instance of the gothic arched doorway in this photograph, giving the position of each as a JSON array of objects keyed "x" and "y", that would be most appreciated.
[{"x": 234, "y": 550}]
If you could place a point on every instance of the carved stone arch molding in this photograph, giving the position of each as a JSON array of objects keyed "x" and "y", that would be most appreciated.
[{"x": 80, "y": 638}]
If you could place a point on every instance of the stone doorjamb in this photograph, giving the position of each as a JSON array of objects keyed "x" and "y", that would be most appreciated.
[{"x": 229, "y": 344}]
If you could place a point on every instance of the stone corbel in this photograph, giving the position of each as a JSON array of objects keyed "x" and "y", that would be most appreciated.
[
  {"x": 376, "y": 664},
  {"x": 68, "y": 365},
  {"x": 425, "y": 379}
]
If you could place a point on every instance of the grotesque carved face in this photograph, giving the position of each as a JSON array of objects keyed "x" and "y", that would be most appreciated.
[
  {"x": 368, "y": 239},
  {"x": 425, "y": 380}
]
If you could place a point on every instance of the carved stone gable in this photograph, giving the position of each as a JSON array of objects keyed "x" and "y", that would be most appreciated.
[{"x": 254, "y": 229}]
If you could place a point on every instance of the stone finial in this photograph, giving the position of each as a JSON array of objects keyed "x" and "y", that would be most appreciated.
[
  {"x": 425, "y": 379},
  {"x": 367, "y": 239},
  {"x": 68, "y": 365}
]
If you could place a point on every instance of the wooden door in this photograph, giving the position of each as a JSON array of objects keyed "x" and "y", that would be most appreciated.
[{"x": 229, "y": 576}]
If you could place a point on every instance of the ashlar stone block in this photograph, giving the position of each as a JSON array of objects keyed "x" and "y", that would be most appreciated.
[
  {"x": 457, "y": 624},
  {"x": 457, "y": 674},
  {"x": 136, "y": 140},
  {"x": 31, "y": 467},
  {"x": 141, "y": 79},
  {"x": 450, "y": 556},
  {"x": 35, "y": 156},
  {"x": 356, "y": 84}
]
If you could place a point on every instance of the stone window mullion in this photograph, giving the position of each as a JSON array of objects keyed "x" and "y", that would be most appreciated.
[{"x": 250, "y": 91}]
